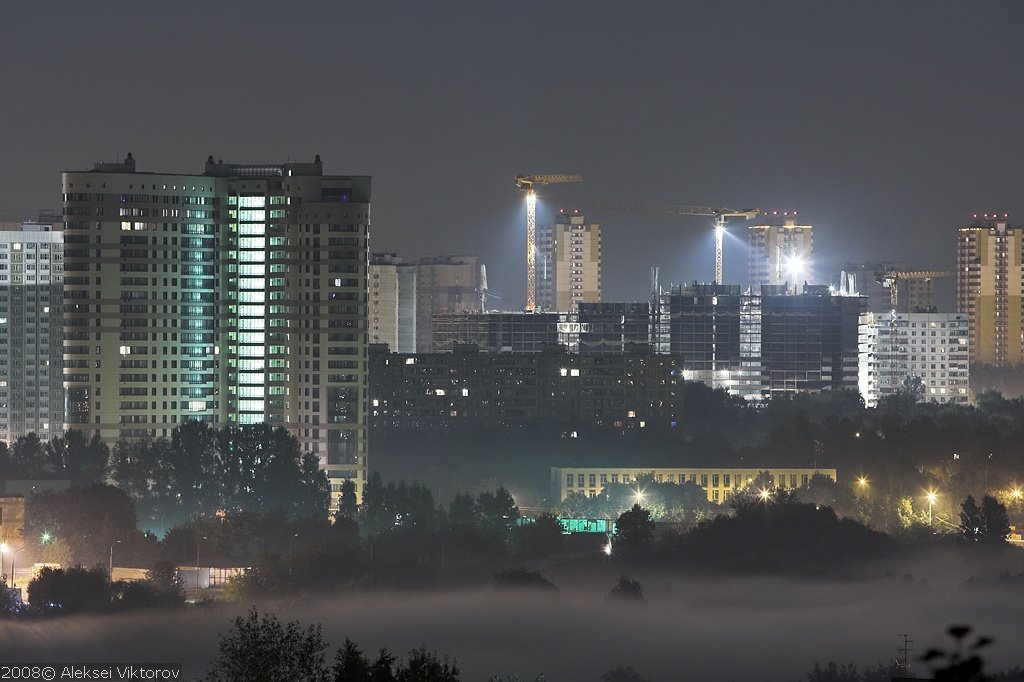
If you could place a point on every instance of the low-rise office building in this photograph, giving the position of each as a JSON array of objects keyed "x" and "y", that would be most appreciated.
[{"x": 720, "y": 482}]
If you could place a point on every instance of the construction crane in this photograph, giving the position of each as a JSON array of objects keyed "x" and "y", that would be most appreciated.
[
  {"x": 892, "y": 279},
  {"x": 720, "y": 215},
  {"x": 526, "y": 184}
]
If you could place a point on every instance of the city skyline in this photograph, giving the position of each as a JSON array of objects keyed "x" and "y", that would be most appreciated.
[{"x": 845, "y": 115}]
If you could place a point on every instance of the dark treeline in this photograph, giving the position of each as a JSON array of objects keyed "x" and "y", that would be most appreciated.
[
  {"x": 197, "y": 471},
  {"x": 901, "y": 447}
]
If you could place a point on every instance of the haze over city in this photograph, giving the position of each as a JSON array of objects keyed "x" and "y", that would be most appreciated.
[{"x": 427, "y": 342}]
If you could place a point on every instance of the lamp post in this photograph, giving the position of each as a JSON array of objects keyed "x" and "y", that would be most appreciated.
[
  {"x": 3, "y": 550},
  {"x": 931, "y": 505},
  {"x": 110, "y": 563},
  {"x": 290, "y": 539},
  {"x": 199, "y": 543},
  {"x": 14, "y": 575}
]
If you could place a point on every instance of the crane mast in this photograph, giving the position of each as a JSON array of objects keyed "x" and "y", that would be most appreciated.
[
  {"x": 526, "y": 184},
  {"x": 720, "y": 215}
]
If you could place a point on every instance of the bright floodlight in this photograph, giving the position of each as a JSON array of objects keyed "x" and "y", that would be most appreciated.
[
  {"x": 795, "y": 268},
  {"x": 639, "y": 496},
  {"x": 765, "y": 494}
]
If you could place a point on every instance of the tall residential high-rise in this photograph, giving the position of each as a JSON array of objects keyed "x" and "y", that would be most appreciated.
[
  {"x": 233, "y": 297},
  {"x": 392, "y": 302},
  {"x": 932, "y": 347},
  {"x": 568, "y": 262},
  {"x": 446, "y": 284},
  {"x": 781, "y": 252},
  {"x": 989, "y": 289},
  {"x": 31, "y": 329}
]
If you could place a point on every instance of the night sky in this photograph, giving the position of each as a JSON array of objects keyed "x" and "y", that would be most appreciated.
[{"x": 886, "y": 124}]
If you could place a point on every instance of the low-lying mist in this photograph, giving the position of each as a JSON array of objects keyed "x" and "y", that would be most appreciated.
[{"x": 735, "y": 628}]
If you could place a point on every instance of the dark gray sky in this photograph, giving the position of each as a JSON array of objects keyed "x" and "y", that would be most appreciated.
[{"x": 886, "y": 124}]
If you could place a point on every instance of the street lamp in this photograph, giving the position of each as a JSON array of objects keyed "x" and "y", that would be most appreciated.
[
  {"x": 199, "y": 543},
  {"x": 290, "y": 556},
  {"x": 3, "y": 550},
  {"x": 639, "y": 496},
  {"x": 931, "y": 505},
  {"x": 14, "y": 576},
  {"x": 765, "y": 495},
  {"x": 110, "y": 564}
]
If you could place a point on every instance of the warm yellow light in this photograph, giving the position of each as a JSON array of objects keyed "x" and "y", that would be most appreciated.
[
  {"x": 1016, "y": 493},
  {"x": 862, "y": 481},
  {"x": 931, "y": 496},
  {"x": 765, "y": 494}
]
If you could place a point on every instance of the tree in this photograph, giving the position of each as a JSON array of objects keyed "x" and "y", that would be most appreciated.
[
  {"x": 350, "y": 664},
  {"x": 163, "y": 578},
  {"x": 462, "y": 510},
  {"x": 83, "y": 461},
  {"x": 996, "y": 520},
  {"x": 987, "y": 524},
  {"x": 627, "y": 589},
  {"x": 635, "y": 527},
  {"x": 972, "y": 525},
  {"x": 262, "y": 649},
  {"x": 497, "y": 511},
  {"x": 87, "y": 519},
  {"x": 70, "y": 590},
  {"x": 374, "y": 514},
  {"x": 521, "y": 578},
  {"x": 30, "y": 458},
  {"x": 540, "y": 538},
  {"x": 427, "y": 666},
  {"x": 623, "y": 674},
  {"x": 347, "y": 503},
  {"x": 8, "y": 605}
]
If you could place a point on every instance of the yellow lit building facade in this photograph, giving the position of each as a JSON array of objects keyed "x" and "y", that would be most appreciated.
[{"x": 720, "y": 483}]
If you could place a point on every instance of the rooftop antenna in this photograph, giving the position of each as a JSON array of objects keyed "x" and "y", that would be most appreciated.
[{"x": 903, "y": 665}]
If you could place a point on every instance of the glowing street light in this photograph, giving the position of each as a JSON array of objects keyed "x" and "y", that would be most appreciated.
[
  {"x": 862, "y": 482},
  {"x": 45, "y": 537},
  {"x": 765, "y": 495},
  {"x": 932, "y": 495},
  {"x": 639, "y": 496},
  {"x": 1017, "y": 494},
  {"x": 3, "y": 550},
  {"x": 607, "y": 549}
]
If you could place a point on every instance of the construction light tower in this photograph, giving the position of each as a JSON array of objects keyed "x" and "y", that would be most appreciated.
[
  {"x": 526, "y": 184},
  {"x": 720, "y": 215}
]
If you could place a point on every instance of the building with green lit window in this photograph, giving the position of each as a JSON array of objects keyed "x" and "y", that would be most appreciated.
[{"x": 233, "y": 297}]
